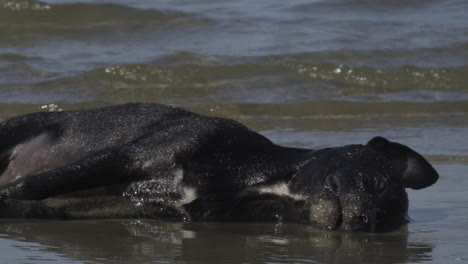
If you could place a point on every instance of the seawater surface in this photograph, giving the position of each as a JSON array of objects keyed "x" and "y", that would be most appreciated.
[{"x": 308, "y": 74}]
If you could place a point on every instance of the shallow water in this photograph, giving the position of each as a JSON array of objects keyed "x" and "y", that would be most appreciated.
[{"x": 304, "y": 73}]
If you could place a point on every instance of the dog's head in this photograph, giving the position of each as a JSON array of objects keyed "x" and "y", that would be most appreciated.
[{"x": 361, "y": 187}]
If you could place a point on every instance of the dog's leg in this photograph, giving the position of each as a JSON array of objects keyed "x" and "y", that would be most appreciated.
[
  {"x": 265, "y": 207},
  {"x": 100, "y": 169},
  {"x": 22, "y": 129},
  {"x": 29, "y": 209}
]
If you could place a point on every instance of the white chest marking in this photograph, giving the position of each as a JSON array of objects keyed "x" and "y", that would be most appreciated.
[
  {"x": 281, "y": 189},
  {"x": 189, "y": 194}
]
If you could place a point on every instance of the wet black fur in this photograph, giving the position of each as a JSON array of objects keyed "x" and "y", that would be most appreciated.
[{"x": 226, "y": 163}]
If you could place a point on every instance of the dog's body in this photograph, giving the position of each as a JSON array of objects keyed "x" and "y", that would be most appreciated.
[{"x": 205, "y": 168}]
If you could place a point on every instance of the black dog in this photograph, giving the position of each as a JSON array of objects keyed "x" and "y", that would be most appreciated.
[{"x": 174, "y": 163}]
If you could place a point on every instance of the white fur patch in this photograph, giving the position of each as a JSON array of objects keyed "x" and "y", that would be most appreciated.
[
  {"x": 281, "y": 189},
  {"x": 190, "y": 194},
  {"x": 178, "y": 176}
]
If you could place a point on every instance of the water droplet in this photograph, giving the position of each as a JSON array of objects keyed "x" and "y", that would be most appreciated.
[{"x": 337, "y": 70}]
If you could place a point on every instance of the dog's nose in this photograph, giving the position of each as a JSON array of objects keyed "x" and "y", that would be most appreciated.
[{"x": 365, "y": 222}]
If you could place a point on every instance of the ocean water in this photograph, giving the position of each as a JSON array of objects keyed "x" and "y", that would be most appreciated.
[{"x": 311, "y": 74}]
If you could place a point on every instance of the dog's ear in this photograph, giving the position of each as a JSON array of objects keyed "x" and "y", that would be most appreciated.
[{"x": 415, "y": 170}]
